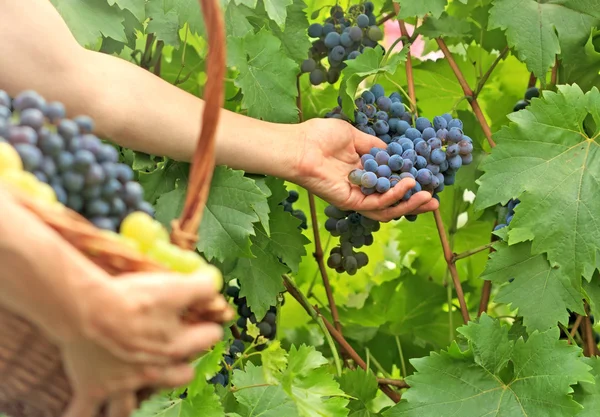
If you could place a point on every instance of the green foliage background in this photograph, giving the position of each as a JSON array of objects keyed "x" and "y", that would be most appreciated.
[{"x": 400, "y": 312}]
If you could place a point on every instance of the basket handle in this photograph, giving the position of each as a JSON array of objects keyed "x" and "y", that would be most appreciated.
[{"x": 185, "y": 229}]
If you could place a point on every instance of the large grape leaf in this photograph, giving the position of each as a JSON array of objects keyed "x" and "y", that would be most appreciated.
[
  {"x": 276, "y": 10},
  {"x": 541, "y": 293},
  {"x": 496, "y": 376},
  {"x": 580, "y": 64},
  {"x": 588, "y": 394},
  {"x": 162, "y": 179},
  {"x": 137, "y": 7},
  {"x": 371, "y": 62},
  {"x": 90, "y": 19},
  {"x": 164, "y": 22},
  {"x": 310, "y": 385},
  {"x": 539, "y": 29},
  {"x": 294, "y": 37},
  {"x": 412, "y": 8},
  {"x": 260, "y": 276},
  {"x": 231, "y": 210},
  {"x": 362, "y": 385},
  {"x": 263, "y": 401},
  {"x": 206, "y": 367},
  {"x": 267, "y": 76},
  {"x": 206, "y": 404},
  {"x": 547, "y": 160}
]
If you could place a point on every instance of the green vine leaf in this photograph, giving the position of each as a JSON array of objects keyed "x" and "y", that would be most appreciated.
[
  {"x": 548, "y": 160},
  {"x": 267, "y": 76},
  {"x": 310, "y": 385},
  {"x": 541, "y": 293},
  {"x": 162, "y": 179},
  {"x": 588, "y": 394},
  {"x": 294, "y": 37},
  {"x": 94, "y": 20},
  {"x": 496, "y": 376},
  {"x": 277, "y": 10},
  {"x": 231, "y": 210},
  {"x": 136, "y": 7},
  {"x": 257, "y": 398},
  {"x": 164, "y": 23},
  {"x": 411, "y": 8},
  {"x": 362, "y": 385},
  {"x": 206, "y": 367},
  {"x": 370, "y": 62},
  {"x": 538, "y": 30},
  {"x": 274, "y": 361}
]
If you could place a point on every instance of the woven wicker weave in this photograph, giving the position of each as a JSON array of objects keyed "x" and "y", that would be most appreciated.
[{"x": 32, "y": 379}]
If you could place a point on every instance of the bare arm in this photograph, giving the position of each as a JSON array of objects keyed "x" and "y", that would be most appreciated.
[{"x": 130, "y": 105}]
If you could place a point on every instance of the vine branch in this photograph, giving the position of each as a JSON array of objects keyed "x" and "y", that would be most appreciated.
[
  {"x": 451, "y": 266},
  {"x": 532, "y": 80},
  {"x": 575, "y": 327},
  {"x": 315, "y": 314},
  {"x": 468, "y": 92}
]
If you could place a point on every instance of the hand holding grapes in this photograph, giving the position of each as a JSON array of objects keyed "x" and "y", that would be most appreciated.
[
  {"x": 138, "y": 340},
  {"x": 330, "y": 150}
]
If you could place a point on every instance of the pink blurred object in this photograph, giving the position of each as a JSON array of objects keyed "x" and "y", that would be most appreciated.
[{"x": 391, "y": 32}]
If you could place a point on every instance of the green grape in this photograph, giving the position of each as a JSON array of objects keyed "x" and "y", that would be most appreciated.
[{"x": 144, "y": 229}]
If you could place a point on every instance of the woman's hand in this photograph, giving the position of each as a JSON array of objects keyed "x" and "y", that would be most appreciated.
[
  {"x": 132, "y": 337},
  {"x": 331, "y": 148}
]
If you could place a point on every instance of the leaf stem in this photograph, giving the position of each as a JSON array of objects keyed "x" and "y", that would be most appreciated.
[
  {"x": 379, "y": 367},
  {"x": 471, "y": 252},
  {"x": 402, "y": 362},
  {"x": 235, "y": 389},
  {"x": 297, "y": 294},
  {"x": 575, "y": 327},
  {"x": 489, "y": 72},
  {"x": 451, "y": 265},
  {"x": 467, "y": 90}
]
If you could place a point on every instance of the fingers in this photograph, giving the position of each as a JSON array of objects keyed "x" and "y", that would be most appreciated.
[
  {"x": 415, "y": 203},
  {"x": 167, "y": 377},
  {"x": 433, "y": 204},
  {"x": 81, "y": 406},
  {"x": 378, "y": 201},
  {"x": 364, "y": 142},
  {"x": 122, "y": 405},
  {"x": 195, "y": 339}
]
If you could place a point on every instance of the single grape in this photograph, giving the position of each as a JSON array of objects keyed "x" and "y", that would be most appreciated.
[
  {"x": 133, "y": 193},
  {"x": 55, "y": 111},
  {"x": 366, "y": 157},
  {"x": 442, "y": 134},
  {"x": 73, "y": 182},
  {"x": 422, "y": 123},
  {"x": 435, "y": 169},
  {"x": 420, "y": 162},
  {"x": 447, "y": 116},
  {"x": 371, "y": 165},
  {"x": 466, "y": 159},
  {"x": 396, "y": 162},
  {"x": 402, "y": 126},
  {"x": 439, "y": 123},
  {"x": 337, "y": 53},
  {"x": 355, "y": 176},
  {"x": 410, "y": 155},
  {"x": 384, "y": 103},
  {"x": 395, "y": 148},
  {"x": 308, "y": 65},
  {"x": 377, "y": 90},
  {"x": 452, "y": 150},
  {"x": 521, "y": 105},
  {"x": 95, "y": 175},
  {"x": 455, "y": 162},
  {"x": 369, "y": 179},
  {"x": 353, "y": 55},
  {"x": 28, "y": 99},
  {"x": 85, "y": 124},
  {"x": 362, "y": 21},
  {"x": 465, "y": 147},
  {"x": 33, "y": 118},
  {"x": 382, "y": 157},
  {"x": 67, "y": 129},
  {"x": 383, "y": 184},
  {"x": 328, "y": 28},
  {"x": 370, "y": 111},
  {"x": 437, "y": 156},
  {"x": 315, "y": 30},
  {"x": 350, "y": 265},
  {"x": 407, "y": 165},
  {"x": 332, "y": 40},
  {"x": 83, "y": 159},
  {"x": 531, "y": 93},
  {"x": 412, "y": 133},
  {"x": 374, "y": 33},
  {"x": 368, "y": 97},
  {"x": 317, "y": 76},
  {"x": 381, "y": 127},
  {"x": 355, "y": 33},
  {"x": 31, "y": 156},
  {"x": 424, "y": 176},
  {"x": 455, "y": 135},
  {"x": 428, "y": 133},
  {"x": 455, "y": 123},
  {"x": 22, "y": 135},
  {"x": 384, "y": 171}
]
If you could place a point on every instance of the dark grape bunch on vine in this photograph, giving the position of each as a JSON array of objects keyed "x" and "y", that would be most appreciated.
[
  {"x": 229, "y": 358},
  {"x": 341, "y": 37},
  {"x": 288, "y": 206},
  {"x": 267, "y": 325},
  {"x": 430, "y": 153},
  {"x": 510, "y": 206},
  {"x": 530, "y": 94},
  {"x": 354, "y": 231},
  {"x": 84, "y": 172}
]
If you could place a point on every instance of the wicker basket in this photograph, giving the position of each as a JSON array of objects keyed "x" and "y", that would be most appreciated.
[{"x": 32, "y": 379}]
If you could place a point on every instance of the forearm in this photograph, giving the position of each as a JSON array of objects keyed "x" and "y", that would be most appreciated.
[
  {"x": 130, "y": 105},
  {"x": 42, "y": 278}
]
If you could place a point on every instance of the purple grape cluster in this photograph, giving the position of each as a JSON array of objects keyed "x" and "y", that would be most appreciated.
[
  {"x": 268, "y": 324},
  {"x": 222, "y": 378},
  {"x": 84, "y": 172},
  {"x": 511, "y": 205},
  {"x": 288, "y": 205},
  {"x": 354, "y": 231},
  {"x": 530, "y": 94},
  {"x": 341, "y": 37}
]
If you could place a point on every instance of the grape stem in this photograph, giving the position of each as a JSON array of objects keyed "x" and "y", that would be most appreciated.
[
  {"x": 532, "y": 80},
  {"x": 574, "y": 329},
  {"x": 330, "y": 331},
  {"x": 409, "y": 68},
  {"x": 451, "y": 265},
  {"x": 468, "y": 92},
  {"x": 471, "y": 252},
  {"x": 385, "y": 18}
]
